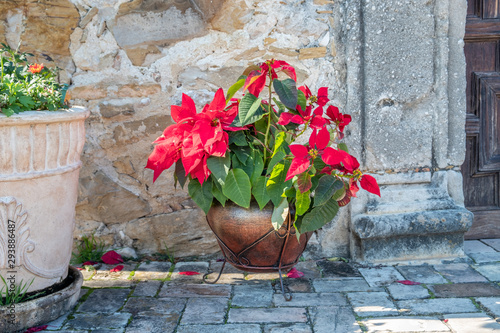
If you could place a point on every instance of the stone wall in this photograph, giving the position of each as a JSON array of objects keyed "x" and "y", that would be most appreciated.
[{"x": 387, "y": 63}]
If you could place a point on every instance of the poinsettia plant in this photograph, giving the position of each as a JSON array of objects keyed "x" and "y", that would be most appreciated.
[{"x": 245, "y": 148}]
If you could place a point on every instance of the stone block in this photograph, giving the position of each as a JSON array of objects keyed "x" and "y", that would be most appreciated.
[
  {"x": 380, "y": 276},
  {"x": 405, "y": 324},
  {"x": 491, "y": 271},
  {"x": 401, "y": 292},
  {"x": 153, "y": 323},
  {"x": 153, "y": 270},
  {"x": 472, "y": 289},
  {"x": 485, "y": 257},
  {"x": 459, "y": 273},
  {"x": 491, "y": 303},
  {"x": 310, "y": 299},
  {"x": 105, "y": 300},
  {"x": 108, "y": 283},
  {"x": 287, "y": 328},
  {"x": 147, "y": 288},
  {"x": 205, "y": 310},
  {"x": 148, "y": 306},
  {"x": 268, "y": 316},
  {"x": 194, "y": 290},
  {"x": 336, "y": 269},
  {"x": 211, "y": 328},
  {"x": 198, "y": 267},
  {"x": 475, "y": 246},
  {"x": 422, "y": 274},
  {"x": 312, "y": 53},
  {"x": 494, "y": 243},
  {"x": 372, "y": 304},
  {"x": 253, "y": 295},
  {"x": 437, "y": 306},
  {"x": 327, "y": 319},
  {"x": 94, "y": 321},
  {"x": 342, "y": 285},
  {"x": 300, "y": 285},
  {"x": 472, "y": 322}
]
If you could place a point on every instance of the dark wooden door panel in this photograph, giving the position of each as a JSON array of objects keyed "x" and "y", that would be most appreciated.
[{"x": 481, "y": 170}]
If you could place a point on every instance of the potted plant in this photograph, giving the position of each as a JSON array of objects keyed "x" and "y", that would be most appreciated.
[
  {"x": 40, "y": 161},
  {"x": 268, "y": 167}
]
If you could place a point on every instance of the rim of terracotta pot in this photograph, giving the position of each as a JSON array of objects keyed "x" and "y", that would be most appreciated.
[
  {"x": 43, "y": 117},
  {"x": 44, "y": 309}
]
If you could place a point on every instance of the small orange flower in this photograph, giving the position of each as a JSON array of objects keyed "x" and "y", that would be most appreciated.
[{"x": 36, "y": 68}]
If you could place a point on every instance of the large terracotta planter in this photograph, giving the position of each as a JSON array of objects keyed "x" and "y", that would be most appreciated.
[
  {"x": 249, "y": 241},
  {"x": 39, "y": 168}
]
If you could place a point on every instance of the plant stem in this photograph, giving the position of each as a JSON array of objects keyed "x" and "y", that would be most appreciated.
[{"x": 266, "y": 139}]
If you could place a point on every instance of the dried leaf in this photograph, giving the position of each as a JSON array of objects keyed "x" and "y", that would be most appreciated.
[
  {"x": 189, "y": 273},
  {"x": 111, "y": 258},
  {"x": 116, "y": 269},
  {"x": 294, "y": 273},
  {"x": 408, "y": 282}
]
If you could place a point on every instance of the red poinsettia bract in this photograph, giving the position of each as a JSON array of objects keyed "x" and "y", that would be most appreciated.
[
  {"x": 256, "y": 80},
  {"x": 195, "y": 137},
  {"x": 315, "y": 118}
]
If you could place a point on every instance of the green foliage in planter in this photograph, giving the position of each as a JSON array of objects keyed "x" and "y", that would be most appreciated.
[
  {"x": 88, "y": 249},
  {"x": 25, "y": 87},
  {"x": 17, "y": 294}
]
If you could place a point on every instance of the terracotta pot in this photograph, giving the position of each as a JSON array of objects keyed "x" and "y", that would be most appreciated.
[
  {"x": 39, "y": 168},
  {"x": 249, "y": 241}
]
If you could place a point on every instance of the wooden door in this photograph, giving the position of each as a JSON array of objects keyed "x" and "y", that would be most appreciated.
[{"x": 481, "y": 170}]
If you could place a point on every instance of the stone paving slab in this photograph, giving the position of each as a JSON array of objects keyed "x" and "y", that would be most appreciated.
[
  {"x": 491, "y": 303},
  {"x": 477, "y": 289},
  {"x": 475, "y": 246},
  {"x": 205, "y": 310},
  {"x": 328, "y": 319},
  {"x": 309, "y": 268},
  {"x": 490, "y": 271},
  {"x": 111, "y": 283},
  {"x": 342, "y": 285},
  {"x": 105, "y": 300},
  {"x": 147, "y": 288},
  {"x": 436, "y": 306},
  {"x": 152, "y": 270},
  {"x": 270, "y": 315},
  {"x": 153, "y": 323},
  {"x": 194, "y": 290},
  {"x": 310, "y": 299},
  {"x": 337, "y": 269},
  {"x": 300, "y": 285},
  {"x": 263, "y": 276},
  {"x": 402, "y": 292},
  {"x": 423, "y": 274},
  {"x": 253, "y": 295},
  {"x": 230, "y": 274},
  {"x": 92, "y": 321},
  {"x": 104, "y": 272},
  {"x": 472, "y": 323},
  {"x": 380, "y": 276},
  {"x": 372, "y": 304},
  {"x": 405, "y": 324},
  {"x": 459, "y": 273},
  {"x": 288, "y": 328},
  {"x": 189, "y": 266},
  {"x": 485, "y": 257},
  {"x": 494, "y": 243},
  {"x": 227, "y": 328},
  {"x": 148, "y": 306}
]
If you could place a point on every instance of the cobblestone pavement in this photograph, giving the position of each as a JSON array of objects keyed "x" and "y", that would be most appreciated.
[{"x": 333, "y": 296}]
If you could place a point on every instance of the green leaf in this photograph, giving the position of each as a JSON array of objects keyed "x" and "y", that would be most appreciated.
[
  {"x": 280, "y": 143},
  {"x": 318, "y": 217},
  {"x": 276, "y": 183},
  {"x": 304, "y": 182},
  {"x": 242, "y": 153},
  {"x": 217, "y": 192},
  {"x": 237, "y": 187},
  {"x": 280, "y": 213},
  {"x": 339, "y": 194},
  {"x": 280, "y": 155},
  {"x": 343, "y": 146},
  {"x": 202, "y": 195},
  {"x": 219, "y": 166},
  {"x": 327, "y": 186},
  {"x": 249, "y": 110},
  {"x": 258, "y": 164},
  {"x": 259, "y": 191},
  {"x": 179, "y": 174},
  {"x": 287, "y": 92},
  {"x": 238, "y": 138},
  {"x": 234, "y": 88},
  {"x": 26, "y": 101},
  {"x": 302, "y": 202},
  {"x": 301, "y": 100}
]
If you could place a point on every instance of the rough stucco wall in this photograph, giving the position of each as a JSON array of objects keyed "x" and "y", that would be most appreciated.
[{"x": 133, "y": 59}]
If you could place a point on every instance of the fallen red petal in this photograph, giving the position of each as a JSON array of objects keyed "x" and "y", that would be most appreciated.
[
  {"x": 189, "y": 273},
  {"x": 117, "y": 268},
  {"x": 294, "y": 273},
  {"x": 446, "y": 320},
  {"x": 89, "y": 263},
  {"x": 80, "y": 269},
  {"x": 408, "y": 282},
  {"x": 36, "y": 329},
  {"x": 111, "y": 258}
]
